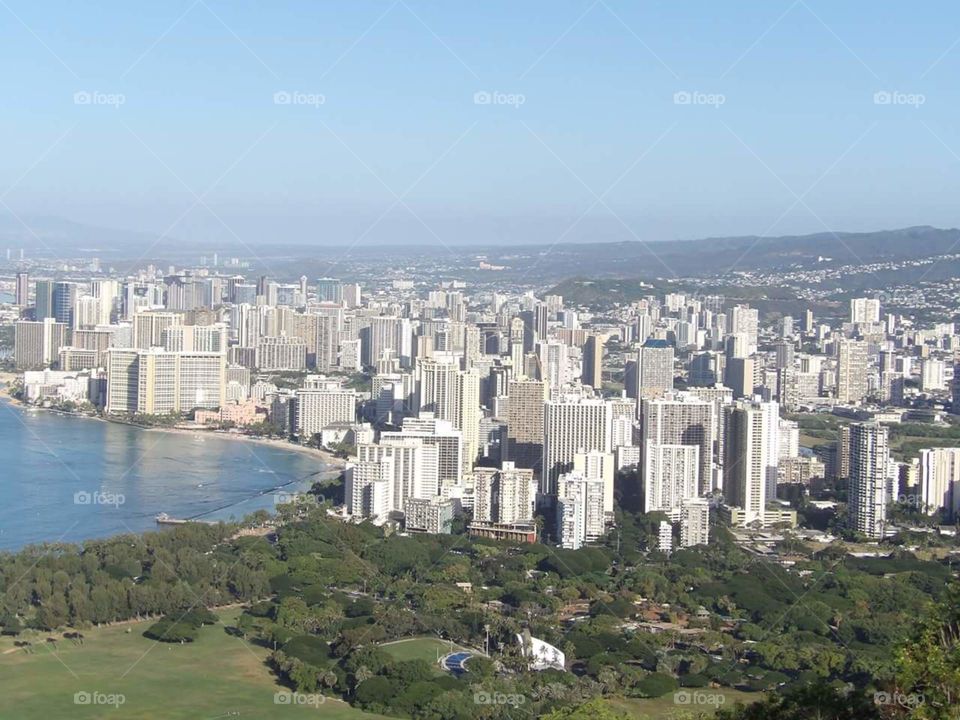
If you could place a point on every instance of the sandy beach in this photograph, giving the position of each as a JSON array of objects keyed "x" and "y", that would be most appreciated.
[
  {"x": 328, "y": 458},
  {"x": 325, "y": 456}
]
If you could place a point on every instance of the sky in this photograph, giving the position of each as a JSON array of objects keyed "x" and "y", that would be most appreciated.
[{"x": 406, "y": 121}]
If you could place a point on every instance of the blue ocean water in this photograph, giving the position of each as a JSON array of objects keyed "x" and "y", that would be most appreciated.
[{"x": 67, "y": 479}]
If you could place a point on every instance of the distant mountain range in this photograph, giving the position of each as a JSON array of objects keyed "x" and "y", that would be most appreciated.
[
  {"x": 53, "y": 236},
  {"x": 720, "y": 256}
]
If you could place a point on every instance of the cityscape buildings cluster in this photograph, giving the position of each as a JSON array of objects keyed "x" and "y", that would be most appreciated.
[{"x": 526, "y": 416}]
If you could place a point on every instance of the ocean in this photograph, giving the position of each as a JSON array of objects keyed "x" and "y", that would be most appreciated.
[{"x": 66, "y": 479}]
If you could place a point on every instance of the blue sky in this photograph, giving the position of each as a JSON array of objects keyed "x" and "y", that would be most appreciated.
[{"x": 585, "y": 137}]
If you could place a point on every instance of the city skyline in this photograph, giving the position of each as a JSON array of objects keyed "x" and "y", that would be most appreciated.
[{"x": 572, "y": 360}]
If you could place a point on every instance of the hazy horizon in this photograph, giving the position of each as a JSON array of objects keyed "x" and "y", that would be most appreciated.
[{"x": 411, "y": 123}]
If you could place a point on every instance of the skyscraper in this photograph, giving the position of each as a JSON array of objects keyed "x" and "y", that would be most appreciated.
[
  {"x": 329, "y": 290},
  {"x": 317, "y": 408},
  {"x": 751, "y": 457},
  {"x": 44, "y": 299},
  {"x": 864, "y": 310},
  {"x": 654, "y": 368},
  {"x": 851, "y": 371},
  {"x": 415, "y": 465},
  {"x": 869, "y": 478},
  {"x": 524, "y": 446},
  {"x": 744, "y": 320},
  {"x": 580, "y": 517},
  {"x": 440, "y": 433},
  {"x": 37, "y": 344},
  {"x": 158, "y": 382},
  {"x": 680, "y": 419},
  {"x": 22, "y": 292},
  {"x": 592, "y": 374},
  {"x": 572, "y": 424},
  {"x": 505, "y": 495},
  {"x": 671, "y": 474},
  {"x": 63, "y": 299},
  {"x": 939, "y": 477}
]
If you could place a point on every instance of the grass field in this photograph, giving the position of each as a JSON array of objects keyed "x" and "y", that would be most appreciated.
[
  {"x": 664, "y": 708},
  {"x": 422, "y": 648},
  {"x": 218, "y": 676}
]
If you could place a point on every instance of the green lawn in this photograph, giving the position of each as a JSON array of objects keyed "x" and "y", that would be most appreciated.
[
  {"x": 422, "y": 648},
  {"x": 664, "y": 708},
  {"x": 218, "y": 676}
]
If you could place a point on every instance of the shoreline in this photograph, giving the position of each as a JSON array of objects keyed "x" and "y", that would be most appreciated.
[{"x": 327, "y": 457}]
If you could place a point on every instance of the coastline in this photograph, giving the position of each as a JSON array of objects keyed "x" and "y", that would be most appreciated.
[{"x": 325, "y": 456}]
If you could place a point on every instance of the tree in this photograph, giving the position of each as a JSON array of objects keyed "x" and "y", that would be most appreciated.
[
  {"x": 11, "y": 624},
  {"x": 928, "y": 664},
  {"x": 376, "y": 690},
  {"x": 596, "y": 709}
]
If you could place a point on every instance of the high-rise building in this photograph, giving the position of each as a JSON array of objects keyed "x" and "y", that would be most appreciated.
[
  {"x": 864, "y": 310},
  {"x": 580, "y": 517},
  {"x": 939, "y": 477},
  {"x": 694, "y": 522},
  {"x": 554, "y": 363},
  {"x": 440, "y": 433},
  {"x": 524, "y": 446},
  {"x": 64, "y": 297},
  {"x": 680, "y": 419},
  {"x": 433, "y": 515},
  {"x": 671, "y": 474},
  {"x": 452, "y": 395},
  {"x": 158, "y": 382},
  {"x": 738, "y": 376},
  {"x": 37, "y": 344},
  {"x": 281, "y": 352},
  {"x": 744, "y": 320},
  {"x": 598, "y": 465},
  {"x": 592, "y": 374},
  {"x": 572, "y": 424},
  {"x": 368, "y": 488},
  {"x": 43, "y": 291},
  {"x": 868, "y": 487},
  {"x": 654, "y": 368},
  {"x": 852, "y": 381},
  {"x": 751, "y": 455},
  {"x": 415, "y": 466},
  {"x": 387, "y": 333},
  {"x": 148, "y": 327},
  {"x": 505, "y": 495},
  {"x": 22, "y": 291},
  {"x": 329, "y": 290},
  {"x": 318, "y": 408},
  {"x": 933, "y": 375},
  {"x": 195, "y": 338}
]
